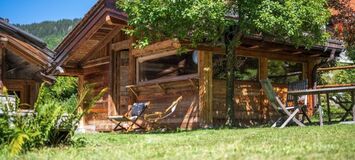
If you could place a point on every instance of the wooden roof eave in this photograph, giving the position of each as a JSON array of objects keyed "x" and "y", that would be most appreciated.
[
  {"x": 103, "y": 12},
  {"x": 29, "y": 53},
  {"x": 275, "y": 50},
  {"x": 86, "y": 34}
]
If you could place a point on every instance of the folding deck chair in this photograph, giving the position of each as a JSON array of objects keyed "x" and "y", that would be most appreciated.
[
  {"x": 157, "y": 117},
  {"x": 132, "y": 116},
  {"x": 274, "y": 100},
  {"x": 294, "y": 86}
]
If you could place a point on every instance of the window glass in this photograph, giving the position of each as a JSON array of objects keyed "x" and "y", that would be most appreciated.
[
  {"x": 246, "y": 68},
  {"x": 168, "y": 66},
  {"x": 284, "y": 72}
]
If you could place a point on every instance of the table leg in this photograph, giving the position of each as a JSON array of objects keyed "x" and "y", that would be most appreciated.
[
  {"x": 328, "y": 107},
  {"x": 295, "y": 101},
  {"x": 320, "y": 111},
  {"x": 353, "y": 101}
]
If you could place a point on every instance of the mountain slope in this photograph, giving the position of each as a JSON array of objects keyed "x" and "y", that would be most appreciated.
[{"x": 52, "y": 32}]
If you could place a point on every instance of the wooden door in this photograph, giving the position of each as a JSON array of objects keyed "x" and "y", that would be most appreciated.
[
  {"x": 123, "y": 95},
  {"x": 118, "y": 82}
]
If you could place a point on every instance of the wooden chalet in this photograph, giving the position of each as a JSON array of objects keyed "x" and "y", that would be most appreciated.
[
  {"x": 24, "y": 62},
  {"x": 99, "y": 52}
]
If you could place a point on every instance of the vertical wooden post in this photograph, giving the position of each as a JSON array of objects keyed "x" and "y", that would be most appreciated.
[
  {"x": 263, "y": 71},
  {"x": 328, "y": 108},
  {"x": 263, "y": 74},
  {"x": 131, "y": 72},
  {"x": 304, "y": 71},
  {"x": 205, "y": 88},
  {"x": 312, "y": 99},
  {"x": 80, "y": 89},
  {"x": 320, "y": 110}
]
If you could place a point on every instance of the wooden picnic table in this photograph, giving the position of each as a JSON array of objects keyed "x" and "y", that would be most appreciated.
[{"x": 325, "y": 91}]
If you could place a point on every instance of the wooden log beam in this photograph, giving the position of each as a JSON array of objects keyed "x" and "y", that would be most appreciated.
[
  {"x": 248, "y": 52},
  {"x": 73, "y": 72},
  {"x": 271, "y": 55},
  {"x": 3, "y": 41},
  {"x": 111, "y": 20},
  {"x": 156, "y": 48},
  {"x": 121, "y": 45},
  {"x": 335, "y": 85},
  {"x": 97, "y": 62},
  {"x": 336, "y": 68},
  {"x": 205, "y": 88}
]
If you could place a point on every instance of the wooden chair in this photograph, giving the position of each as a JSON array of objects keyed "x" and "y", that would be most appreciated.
[
  {"x": 294, "y": 86},
  {"x": 157, "y": 117},
  {"x": 274, "y": 100},
  {"x": 132, "y": 116}
]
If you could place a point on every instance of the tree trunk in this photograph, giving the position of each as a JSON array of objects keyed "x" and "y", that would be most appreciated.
[
  {"x": 230, "y": 55},
  {"x": 231, "y": 40}
]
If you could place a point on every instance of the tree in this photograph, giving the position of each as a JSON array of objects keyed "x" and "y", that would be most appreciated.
[
  {"x": 214, "y": 22},
  {"x": 343, "y": 21}
]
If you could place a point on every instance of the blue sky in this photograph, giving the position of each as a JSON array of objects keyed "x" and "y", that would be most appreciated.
[{"x": 30, "y": 11}]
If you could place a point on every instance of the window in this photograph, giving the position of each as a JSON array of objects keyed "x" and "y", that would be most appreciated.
[
  {"x": 246, "y": 68},
  {"x": 284, "y": 72},
  {"x": 167, "y": 65}
]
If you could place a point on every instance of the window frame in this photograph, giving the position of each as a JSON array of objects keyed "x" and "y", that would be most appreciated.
[
  {"x": 274, "y": 59},
  {"x": 247, "y": 56},
  {"x": 167, "y": 79}
]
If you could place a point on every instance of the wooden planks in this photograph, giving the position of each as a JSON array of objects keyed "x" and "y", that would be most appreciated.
[
  {"x": 157, "y": 48},
  {"x": 121, "y": 45},
  {"x": 187, "y": 114},
  {"x": 251, "y": 106}
]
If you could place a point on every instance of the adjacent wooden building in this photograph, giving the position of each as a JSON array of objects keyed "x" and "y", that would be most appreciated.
[
  {"x": 25, "y": 62},
  {"x": 99, "y": 52}
]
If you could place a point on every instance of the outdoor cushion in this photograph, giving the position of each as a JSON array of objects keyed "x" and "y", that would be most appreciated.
[{"x": 137, "y": 108}]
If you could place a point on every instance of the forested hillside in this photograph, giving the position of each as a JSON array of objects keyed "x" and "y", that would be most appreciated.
[
  {"x": 64, "y": 91},
  {"x": 52, "y": 32}
]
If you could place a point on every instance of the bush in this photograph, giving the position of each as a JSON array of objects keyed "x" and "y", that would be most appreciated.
[{"x": 50, "y": 125}]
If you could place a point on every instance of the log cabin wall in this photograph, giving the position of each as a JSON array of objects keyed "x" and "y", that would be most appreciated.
[
  {"x": 161, "y": 95},
  {"x": 251, "y": 106},
  {"x": 26, "y": 90},
  {"x": 114, "y": 66},
  {"x": 96, "y": 73},
  {"x": 107, "y": 68}
]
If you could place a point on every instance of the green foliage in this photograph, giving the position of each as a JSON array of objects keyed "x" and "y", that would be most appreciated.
[
  {"x": 51, "y": 124},
  {"x": 52, "y": 32},
  {"x": 63, "y": 91},
  {"x": 337, "y": 77},
  {"x": 301, "y": 22},
  {"x": 197, "y": 21}
]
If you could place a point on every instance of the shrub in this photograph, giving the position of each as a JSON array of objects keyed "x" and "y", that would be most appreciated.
[{"x": 50, "y": 125}]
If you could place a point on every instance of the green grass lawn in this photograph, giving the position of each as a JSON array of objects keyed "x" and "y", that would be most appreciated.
[{"x": 328, "y": 142}]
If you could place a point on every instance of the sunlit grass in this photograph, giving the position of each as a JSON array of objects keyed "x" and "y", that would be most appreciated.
[{"x": 328, "y": 142}]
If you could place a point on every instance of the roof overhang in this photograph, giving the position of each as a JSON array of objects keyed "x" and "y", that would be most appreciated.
[{"x": 98, "y": 25}]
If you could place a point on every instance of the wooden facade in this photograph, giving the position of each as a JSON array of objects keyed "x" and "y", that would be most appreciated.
[
  {"x": 98, "y": 52},
  {"x": 24, "y": 63}
]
